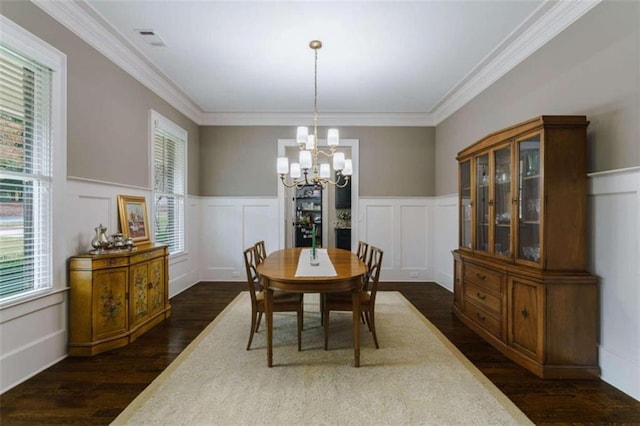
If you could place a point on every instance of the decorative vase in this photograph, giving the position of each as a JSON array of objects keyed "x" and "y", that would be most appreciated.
[{"x": 313, "y": 259}]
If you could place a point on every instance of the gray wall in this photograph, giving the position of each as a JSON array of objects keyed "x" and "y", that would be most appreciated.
[
  {"x": 394, "y": 161},
  {"x": 107, "y": 109},
  {"x": 592, "y": 68}
]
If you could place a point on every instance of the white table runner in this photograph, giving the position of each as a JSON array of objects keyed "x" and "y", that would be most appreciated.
[{"x": 323, "y": 269}]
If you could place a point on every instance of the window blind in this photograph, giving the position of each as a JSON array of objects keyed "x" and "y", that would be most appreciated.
[
  {"x": 25, "y": 175},
  {"x": 169, "y": 176}
]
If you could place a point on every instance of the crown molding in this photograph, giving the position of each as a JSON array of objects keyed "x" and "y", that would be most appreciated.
[
  {"x": 541, "y": 26},
  {"x": 518, "y": 46},
  {"x": 326, "y": 119},
  {"x": 76, "y": 19}
]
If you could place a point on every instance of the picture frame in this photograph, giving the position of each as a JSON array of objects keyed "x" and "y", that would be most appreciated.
[{"x": 134, "y": 222}]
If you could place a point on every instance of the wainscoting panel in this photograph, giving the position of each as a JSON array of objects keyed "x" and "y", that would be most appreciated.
[
  {"x": 614, "y": 241},
  {"x": 414, "y": 225},
  {"x": 402, "y": 228},
  {"x": 445, "y": 239},
  {"x": 379, "y": 229},
  {"x": 229, "y": 225}
]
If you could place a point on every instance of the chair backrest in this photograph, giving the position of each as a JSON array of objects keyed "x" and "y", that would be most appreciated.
[
  {"x": 261, "y": 252},
  {"x": 362, "y": 251},
  {"x": 253, "y": 279},
  {"x": 375, "y": 264}
]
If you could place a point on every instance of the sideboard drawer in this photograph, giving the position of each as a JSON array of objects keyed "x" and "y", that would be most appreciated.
[
  {"x": 484, "y": 278},
  {"x": 482, "y": 298},
  {"x": 487, "y": 321},
  {"x": 143, "y": 257},
  {"x": 109, "y": 262}
]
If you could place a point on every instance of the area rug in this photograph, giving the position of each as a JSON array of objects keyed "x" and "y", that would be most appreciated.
[{"x": 416, "y": 377}]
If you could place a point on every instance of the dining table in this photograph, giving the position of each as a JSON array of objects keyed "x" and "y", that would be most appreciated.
[{"x": 290, "y": 270}]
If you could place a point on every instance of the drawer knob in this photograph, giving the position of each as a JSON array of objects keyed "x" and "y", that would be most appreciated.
[
  {"x": 481, "y": 296},
  {"x": 480, "y": 276},
  {"x": 481, "y": 317},
  {"x": 524, "y": 312}
]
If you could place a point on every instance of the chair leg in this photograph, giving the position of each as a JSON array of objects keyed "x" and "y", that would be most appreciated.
[
  {"x": 321, "y": 308},
  {"x": 325, "y": 315},
  {"x": 372, "y": 321},
  {"x": 366, "y": 316},
  {"x": 253, "y": 328},
  {"x": 362, "y": 317},
  {"x": 300, "y": 320},
  {"x": 258, "y": 323}
]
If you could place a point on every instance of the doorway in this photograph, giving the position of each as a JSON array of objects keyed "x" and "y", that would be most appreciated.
[{"x": 331, "y": 217}]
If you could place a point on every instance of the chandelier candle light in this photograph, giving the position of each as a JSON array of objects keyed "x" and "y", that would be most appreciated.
[{"x": 309, "y": 171}]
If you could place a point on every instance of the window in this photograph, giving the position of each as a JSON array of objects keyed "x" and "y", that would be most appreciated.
[
  {"x": 26, "y": 175},
  {"x": 169, "y": 182}
]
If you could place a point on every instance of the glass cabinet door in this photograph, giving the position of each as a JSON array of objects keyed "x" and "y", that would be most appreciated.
[
  {"x": 529, "y": 199},
  {"x": 465, "y": 204},
  {"x": 482, "y": 202},
  {"x": 502, "y": 201}
]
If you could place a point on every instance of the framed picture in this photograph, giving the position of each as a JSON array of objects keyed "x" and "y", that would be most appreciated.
[{"x": 133, "y": 218}]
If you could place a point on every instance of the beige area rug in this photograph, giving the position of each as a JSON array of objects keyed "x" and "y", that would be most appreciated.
[{"x": 416, "y": 377}]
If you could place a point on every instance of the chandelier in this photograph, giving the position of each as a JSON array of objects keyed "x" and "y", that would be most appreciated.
[{"x": 313, "y": 167}]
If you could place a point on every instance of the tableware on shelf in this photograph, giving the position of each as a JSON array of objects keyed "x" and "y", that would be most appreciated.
[{"x": 533, "y": 162}]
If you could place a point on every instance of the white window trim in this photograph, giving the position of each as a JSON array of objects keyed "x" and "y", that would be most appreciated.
[
  {"x": 20, "y": 40},
  {"x": 169, "y": 126}
]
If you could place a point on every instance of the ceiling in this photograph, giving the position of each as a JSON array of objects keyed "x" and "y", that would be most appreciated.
[{"x": 383, "y": 62}]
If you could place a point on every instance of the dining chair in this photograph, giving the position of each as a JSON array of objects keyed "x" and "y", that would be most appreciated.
[
  {"x": 361, "y": 252},
  {"x": 282, "y": 301},
  {"x": 261, "y": 252},
  {"x": 341, "y": 301}
]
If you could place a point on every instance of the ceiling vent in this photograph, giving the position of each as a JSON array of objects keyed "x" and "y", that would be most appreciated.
[{"x": 150, "y": 37}]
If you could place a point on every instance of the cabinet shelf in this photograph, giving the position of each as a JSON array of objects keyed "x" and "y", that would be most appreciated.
[{"x": 308, "y": 211}]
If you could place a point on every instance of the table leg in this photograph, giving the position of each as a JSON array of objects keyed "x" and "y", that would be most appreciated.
[
  {"x": 355, "y": 301},
  {"x": 268, "y": 313}
]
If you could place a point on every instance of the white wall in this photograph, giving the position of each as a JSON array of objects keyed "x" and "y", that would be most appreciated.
[
  {"x": 614, "y": 239},
  {"x": 404, "y": 228},
  {"x": 229, "y": 225},
  {"x": 33, "y": 335},
  {"x": 416, "y": 234}
]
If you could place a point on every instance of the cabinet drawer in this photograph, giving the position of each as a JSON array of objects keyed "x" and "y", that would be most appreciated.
[
  {"x": 147, "y": 256},
  {"x": 109, "y": 262},
  {"x": 488, "y": 322},
  {"x": 480, "y": 297},
  {"x": 483, "y": 278}
]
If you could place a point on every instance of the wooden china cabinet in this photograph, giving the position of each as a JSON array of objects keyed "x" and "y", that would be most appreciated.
[{"x": 520, "y": 278}]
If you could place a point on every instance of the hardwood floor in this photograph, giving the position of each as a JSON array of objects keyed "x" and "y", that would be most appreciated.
[{"x": 95, "y": 390}]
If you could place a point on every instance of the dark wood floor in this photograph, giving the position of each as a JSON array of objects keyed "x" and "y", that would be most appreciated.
[{"x": 95, "y": 390}]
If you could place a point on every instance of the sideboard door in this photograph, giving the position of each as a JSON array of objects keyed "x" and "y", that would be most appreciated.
[{"x": 110, "y": 303}]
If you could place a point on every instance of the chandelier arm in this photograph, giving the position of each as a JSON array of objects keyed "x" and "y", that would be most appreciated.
[
  {"x": 346, "y": 182},
  {"x": 284, "y": 182},
  {"x": 326, "y": 154}
]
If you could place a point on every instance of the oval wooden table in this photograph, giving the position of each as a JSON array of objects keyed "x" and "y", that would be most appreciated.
[{"x": 278, "y": 273}]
